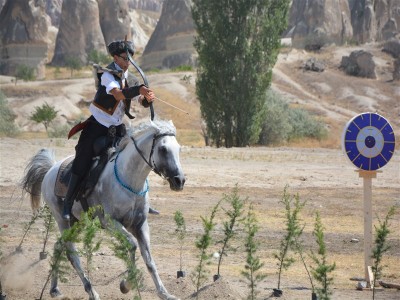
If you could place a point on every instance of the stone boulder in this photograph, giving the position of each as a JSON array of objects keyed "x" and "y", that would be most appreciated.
[
  {"x": 114, "y": 20},
  {"x": 23, "y": 36},
  {"x": 171, "y": 43},
  {"x": 79, "y": 32},
  {"x": 360, "y": 63},
  {"x": 314, "y": 23},
  {"x": 392, "y": 47},
  {"x": 313, "y": 64}
]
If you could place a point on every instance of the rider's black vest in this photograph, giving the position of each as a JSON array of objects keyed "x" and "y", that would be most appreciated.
[{"x": 107, "y": 102}]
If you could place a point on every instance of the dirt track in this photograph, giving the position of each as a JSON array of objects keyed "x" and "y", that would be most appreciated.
[{"x": 322, "y": 177}]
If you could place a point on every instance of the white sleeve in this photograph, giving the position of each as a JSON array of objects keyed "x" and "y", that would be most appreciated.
[{"x": 108, "y": 80}]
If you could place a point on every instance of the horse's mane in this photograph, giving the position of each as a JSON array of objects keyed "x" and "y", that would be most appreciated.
[{"x": 157, "y": 127}]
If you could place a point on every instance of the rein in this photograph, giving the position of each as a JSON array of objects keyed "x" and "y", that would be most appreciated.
[{"x": 149, "y": 162}]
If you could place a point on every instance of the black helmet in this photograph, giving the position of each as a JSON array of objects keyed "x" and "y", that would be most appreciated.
[{"x": 119, "y": 47}]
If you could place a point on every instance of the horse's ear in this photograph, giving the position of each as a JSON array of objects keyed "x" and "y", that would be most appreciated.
[{"x": 171, "y": 123}]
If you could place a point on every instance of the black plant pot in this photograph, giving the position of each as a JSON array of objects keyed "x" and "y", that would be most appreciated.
[
  {"x": 277, "y": 293},
  {"x": 43, "y": 255},
  {"x": 216, "y": 277},
  {"x": 314, "y": 296},
  {"x": 180, "y": 274}
]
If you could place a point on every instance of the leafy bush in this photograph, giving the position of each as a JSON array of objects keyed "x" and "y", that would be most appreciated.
[
  {"x": 44, "y": 114},
  {"x": 25, "y": 73},
  {"x": 98, "y": 57},
  {"x": 304, "y": 125},
  {"x": 276, "y": 127},
  {"x": 283, "y": 123},
  {"x": 7, "y": 117},
  {"x": 73, "y": 63}
]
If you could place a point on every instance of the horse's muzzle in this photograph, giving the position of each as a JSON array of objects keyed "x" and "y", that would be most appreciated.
[{"x": 176, "y": 183}]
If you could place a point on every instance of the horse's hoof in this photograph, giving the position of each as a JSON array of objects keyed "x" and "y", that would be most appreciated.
[
  {"x": 55, "y": 293},
  {"x": 123, "y": 288}
]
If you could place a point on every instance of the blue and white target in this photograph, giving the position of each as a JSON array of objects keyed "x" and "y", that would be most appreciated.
[{"x": 368, "y": 141}]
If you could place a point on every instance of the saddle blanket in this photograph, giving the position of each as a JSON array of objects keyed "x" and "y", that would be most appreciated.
[{"x": 63, "y": 176}]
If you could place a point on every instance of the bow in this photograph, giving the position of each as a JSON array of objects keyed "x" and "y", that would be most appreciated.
[{"x": 145, "y": 81}]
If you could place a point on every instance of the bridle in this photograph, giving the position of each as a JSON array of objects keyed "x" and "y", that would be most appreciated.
[{"x": 150, "y": 162}]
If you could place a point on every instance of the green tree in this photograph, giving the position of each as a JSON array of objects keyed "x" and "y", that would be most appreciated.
[
  {"x": 238, "y": 42},
  {"x": 25, "y": 73},
  {"x": 73, "y": 63},
  {"x": 44, "y": 114}
]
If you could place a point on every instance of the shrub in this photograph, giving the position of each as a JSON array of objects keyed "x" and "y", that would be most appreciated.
[
  {"x": 25, "y": 73},
  {"x": 283, "y": 123},
  {"x": 182, "y": 68},
  {"x": 7, "y": 117},
  {"x": 276, "y": 127},
  {"x": 304, "y": 125},
  {"x": 44, "y": 114},
  {"x": 98, "y": 57}
]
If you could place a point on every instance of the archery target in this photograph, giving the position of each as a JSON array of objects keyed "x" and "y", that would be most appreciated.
[{"x": 368, "y": 141}]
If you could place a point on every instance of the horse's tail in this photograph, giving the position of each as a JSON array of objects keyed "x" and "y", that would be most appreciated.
[{"x": 35, "y": 171}]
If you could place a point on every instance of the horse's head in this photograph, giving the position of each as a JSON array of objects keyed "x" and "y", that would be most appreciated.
[
  {"x": 165, "y": 160},
  {"x": 164, "y": 152}
]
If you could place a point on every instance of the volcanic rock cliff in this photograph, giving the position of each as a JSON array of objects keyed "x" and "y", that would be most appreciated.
[{"x": 23, "y": 36}]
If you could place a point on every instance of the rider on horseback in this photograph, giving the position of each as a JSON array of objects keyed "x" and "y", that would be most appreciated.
[{"x": 111, "y": 102}]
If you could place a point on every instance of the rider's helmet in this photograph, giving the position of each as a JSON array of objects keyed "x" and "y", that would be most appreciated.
[{"x": 119, "y": 47}]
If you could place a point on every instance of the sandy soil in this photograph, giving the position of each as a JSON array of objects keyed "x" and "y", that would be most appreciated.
[
  {"x": 322, "y": 177},
  {"x": 319, "y": 175}
]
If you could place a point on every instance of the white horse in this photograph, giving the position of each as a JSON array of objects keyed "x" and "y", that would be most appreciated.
[{"x": 121, "y": 190}]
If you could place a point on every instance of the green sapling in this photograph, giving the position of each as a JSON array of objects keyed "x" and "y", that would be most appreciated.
[
  {"x": 253, "y": 264},
  {"x": 234, "y": 214}
]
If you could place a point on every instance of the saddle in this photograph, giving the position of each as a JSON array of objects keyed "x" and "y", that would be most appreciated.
[{"x": 104, "y": 148}]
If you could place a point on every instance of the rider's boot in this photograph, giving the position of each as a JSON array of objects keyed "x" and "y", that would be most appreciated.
[{"x": 70, "y": 197}]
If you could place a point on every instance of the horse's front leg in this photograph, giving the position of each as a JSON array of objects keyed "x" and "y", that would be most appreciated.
[
  {"x": 143, "y": 238},
  {"x": 115, "y": 226},
  {"x": 76, "y": 263}
]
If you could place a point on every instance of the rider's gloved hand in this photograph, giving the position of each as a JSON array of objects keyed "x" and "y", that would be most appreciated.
[{"x": 144, "y": 102}]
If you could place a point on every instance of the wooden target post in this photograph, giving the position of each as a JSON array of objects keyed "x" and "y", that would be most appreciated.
[{"x": 369, "y": 142}]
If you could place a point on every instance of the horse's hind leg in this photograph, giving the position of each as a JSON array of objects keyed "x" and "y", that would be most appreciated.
[
  {"x": 76, "y": 263},
  {"x": 54, "y": 290},
  {"x": 143, "y": 238}
]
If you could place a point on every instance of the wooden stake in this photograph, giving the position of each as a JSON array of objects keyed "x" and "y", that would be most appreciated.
[{"x": 367, "y": 182}]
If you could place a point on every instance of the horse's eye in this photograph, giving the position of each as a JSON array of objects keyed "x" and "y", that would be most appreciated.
[{"x": 163, "y": 150}]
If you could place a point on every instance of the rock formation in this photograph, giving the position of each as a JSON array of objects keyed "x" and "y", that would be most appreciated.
[
  {"x": 171, "y": 43},
  {"x": 319, "y": 22},
  {"x": 114, "y": 18},
  {"x": 79, "y": 31},
  {"x": 360, "y": 64},
  {"x": 152, "y": 5},
  {"x": 23, "y": 36},
  {"x": 53, "y": 9},
  {"x": 375, "y": 20}
]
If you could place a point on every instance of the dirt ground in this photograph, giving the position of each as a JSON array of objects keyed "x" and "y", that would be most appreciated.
[
  {"x": 322, "y": 177},
  {"x": 317, "y": 171}
]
